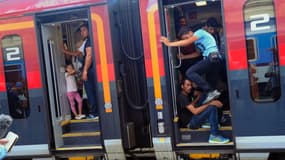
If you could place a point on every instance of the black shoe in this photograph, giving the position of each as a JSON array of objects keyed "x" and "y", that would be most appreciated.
[{"x": 90, "y": 116}]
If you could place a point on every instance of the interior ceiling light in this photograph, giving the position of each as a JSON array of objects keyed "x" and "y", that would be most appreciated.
[{"x": 201, "y": 3}]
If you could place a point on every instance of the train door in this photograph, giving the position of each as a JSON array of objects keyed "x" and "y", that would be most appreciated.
[
  {"x": 130, "y": 74},
  {"x": 255, "y": 40},
  {"x": 106, "y": 83},
  {"x": 69, "y": 132},
  {"x": 93, "y": 133},
  {"x": 156, "y": 80},
  {"x": 195, "y": 14},
  {"x": 22, "y": 94},
  {"x": 55, "y": 70}
]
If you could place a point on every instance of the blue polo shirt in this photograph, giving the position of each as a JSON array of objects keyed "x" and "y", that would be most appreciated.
[{"x": 206, "y": 43}]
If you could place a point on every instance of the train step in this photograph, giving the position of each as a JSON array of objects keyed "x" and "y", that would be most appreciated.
[
  {"x": 79, "y": 147},
  {"x": 84, "y": 125},
  {"x": 201, "y": 135},
  {"x": 202, "y": 144},
  {"x": 82, "y": 138}
]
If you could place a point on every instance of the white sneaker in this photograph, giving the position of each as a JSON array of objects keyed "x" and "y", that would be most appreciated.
[
  {"x": 212, "y": 95},
  {"x": 81, "y": 116}
]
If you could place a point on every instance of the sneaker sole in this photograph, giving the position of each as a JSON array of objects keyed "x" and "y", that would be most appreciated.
[
  {"x": 211, "y": 99},
  {"x": 215, "y": 142},
  {"x": 95, "y": 118}
]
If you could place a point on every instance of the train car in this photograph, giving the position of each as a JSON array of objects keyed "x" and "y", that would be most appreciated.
[
  {"x": 253, "y": 31},
  {"x": 137, "y": 78}
]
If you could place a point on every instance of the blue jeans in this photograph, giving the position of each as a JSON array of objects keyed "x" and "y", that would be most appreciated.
[
  {"x": 91, "y": 92},
  {"x": 205, "y": 66},
  {"x": 210, "y": 113}
]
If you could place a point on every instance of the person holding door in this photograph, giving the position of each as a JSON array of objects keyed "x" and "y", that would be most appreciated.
[{"x": 88, "y": 72}]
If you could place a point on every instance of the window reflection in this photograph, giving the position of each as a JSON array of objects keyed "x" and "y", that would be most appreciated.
[
  {"x": 15, "y": 76},
  {"x": 262, "y": 51}
]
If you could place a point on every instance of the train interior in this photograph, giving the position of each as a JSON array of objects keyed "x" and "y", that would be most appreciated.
[
  {"x": 195, "y": 14},
  {"x": 60, "y": 30}
]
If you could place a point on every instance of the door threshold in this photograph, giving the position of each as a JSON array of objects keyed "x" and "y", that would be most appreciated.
[
  {"x": 64, "y": 148},
  {"x": 202, "y": 144}
]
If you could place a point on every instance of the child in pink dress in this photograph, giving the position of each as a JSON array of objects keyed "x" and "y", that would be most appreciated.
[{"x": 72, "y": 92}]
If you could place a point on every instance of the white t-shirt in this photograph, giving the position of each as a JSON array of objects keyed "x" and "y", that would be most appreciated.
[
  {"x": 70, "y": 83},
  {"x": 75, "y": 60},
  {"x": 81, "y": 48}
]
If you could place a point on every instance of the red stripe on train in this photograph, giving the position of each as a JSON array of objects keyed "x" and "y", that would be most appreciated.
[
  {"x": 235, "y": 34},
  {"x": 103, "y": 13},
  {"x": 148, "y": 67},
  {"x": 280, "y": 21},
  {"x": 111, "y": 72},
  {"x": 16, "y": 7},
  {"x": 30, "y": 50},
  {"x": 145, "y": 35}
]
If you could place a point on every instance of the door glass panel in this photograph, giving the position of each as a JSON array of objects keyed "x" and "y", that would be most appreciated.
[
  {"x": 262, "y": 51},
  {"x": 15, "y": 76}
]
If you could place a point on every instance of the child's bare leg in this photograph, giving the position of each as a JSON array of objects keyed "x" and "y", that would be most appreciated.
[
  {"x": 72, "y": 104},
  {"x": 79, "y": 102}
]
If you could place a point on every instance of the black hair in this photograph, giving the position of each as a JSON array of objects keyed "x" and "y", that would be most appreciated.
[
  {"x": 69, "y": 64},
  {"x": 184, "y": 79},
  {"x": 212, "y": 22},
  {"x": 181, "y": 17},
  {"x": 183, "y": 30},
  {"x": 84, "y": 25}
]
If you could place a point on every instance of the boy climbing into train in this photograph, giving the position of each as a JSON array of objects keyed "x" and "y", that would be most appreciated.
[
  {"x": 207, "y": 46},
  {"x": 192, "y": 114},
  {"x": 72, "y": 92},
  {"x": 189, "y": 56}
]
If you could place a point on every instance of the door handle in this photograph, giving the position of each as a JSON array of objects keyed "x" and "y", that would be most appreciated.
[{"x": 39, "y": 108}]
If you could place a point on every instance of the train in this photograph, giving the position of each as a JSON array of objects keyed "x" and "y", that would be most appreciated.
[{"x": 136, "y": 78}]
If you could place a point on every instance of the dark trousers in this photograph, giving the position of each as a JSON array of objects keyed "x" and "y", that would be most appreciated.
[
  {"x": 204, "y": 67},
  {"x": 91, "y": 92},
  {"x": 209, "y": 113}
]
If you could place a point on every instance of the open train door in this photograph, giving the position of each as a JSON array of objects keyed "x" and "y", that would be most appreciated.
[
  {"x": 256, "y": 58},
  {"x": 21, "y": 88},
  {"x": 106, "y": 84},
  {"x": 85, "y": 135},
  {"x": 159, "y": 107},
  {"x": 186, "y": 140}
]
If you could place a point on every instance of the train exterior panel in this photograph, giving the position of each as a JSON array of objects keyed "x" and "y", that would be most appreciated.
[
  {"x": 30, "y": 71},
  {"x": 136, "y": 78},
  {"x": 256, "y": 124},
  {"x": 21, "y": 77}
]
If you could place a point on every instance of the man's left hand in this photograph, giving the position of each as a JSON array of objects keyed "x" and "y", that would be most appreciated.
[{"x": 84, "y": 76}]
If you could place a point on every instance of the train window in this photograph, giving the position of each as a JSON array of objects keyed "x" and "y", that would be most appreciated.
[
  {"x": 262, "y": 52},
  {"x": 15, "y": 76}
]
